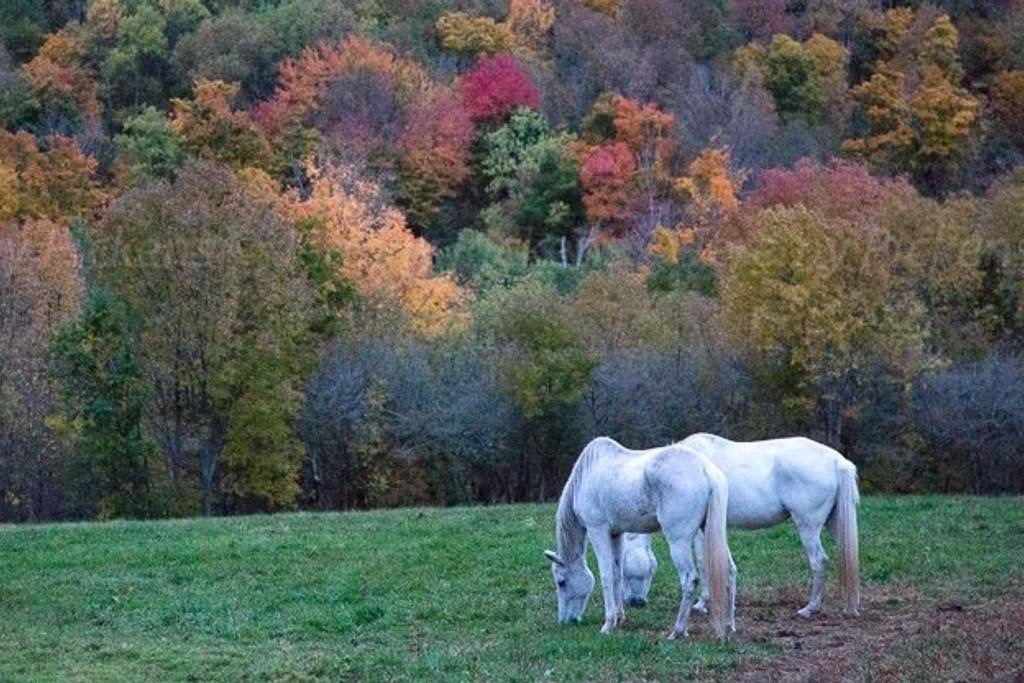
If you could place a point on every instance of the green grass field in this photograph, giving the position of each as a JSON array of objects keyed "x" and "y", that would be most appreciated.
[{"x": 457, "y": 594}]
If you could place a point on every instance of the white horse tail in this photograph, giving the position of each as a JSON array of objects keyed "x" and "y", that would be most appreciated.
[
  {"x": 716, "y": 549},
  {"x": 844, "y": 527}
]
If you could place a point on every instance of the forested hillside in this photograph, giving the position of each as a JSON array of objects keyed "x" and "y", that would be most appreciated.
[{"x": 259, "y": 255}]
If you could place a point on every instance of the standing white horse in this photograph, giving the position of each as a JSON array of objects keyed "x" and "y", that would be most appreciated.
[
  {"x": 613, "y": 490},
  {"x": 772, "y": 480}
]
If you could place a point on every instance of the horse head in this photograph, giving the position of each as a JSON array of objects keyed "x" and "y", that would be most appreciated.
[
  {"x": 574, "y": 583},
  {"x": 638, "y": 569}
]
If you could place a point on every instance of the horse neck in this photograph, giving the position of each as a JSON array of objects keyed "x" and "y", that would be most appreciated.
[{"x": 570, "y": 530}]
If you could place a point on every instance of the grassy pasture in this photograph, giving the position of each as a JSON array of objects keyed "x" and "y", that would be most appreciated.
[{"x": 464, "y": 594}]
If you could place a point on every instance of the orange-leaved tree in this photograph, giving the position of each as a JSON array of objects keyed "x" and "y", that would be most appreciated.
[
  {"x": 39, "y": 290},
  {"x": 212, "y": 129},
  {"x": 386, "y": 263},
  {"x": 59, "y": 77},
  {"x": 57, "y": 182}
]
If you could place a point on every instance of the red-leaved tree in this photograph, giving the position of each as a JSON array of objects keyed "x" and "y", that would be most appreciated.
[
  {"x": 434, "y": 154},
  {"x": 608, "y": 177},
  {"x": 496, "y": 86}
]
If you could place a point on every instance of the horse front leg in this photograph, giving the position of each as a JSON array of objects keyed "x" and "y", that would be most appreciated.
[
  {"x": 601, "y": 542},
  {"x": 618, "y": 550},
  {"x": 732, "y": 595}
]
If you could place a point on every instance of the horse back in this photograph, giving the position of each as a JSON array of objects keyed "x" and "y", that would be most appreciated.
[
  {"x": 773, "y": 479},
  {"x": 626, "y": 489}
]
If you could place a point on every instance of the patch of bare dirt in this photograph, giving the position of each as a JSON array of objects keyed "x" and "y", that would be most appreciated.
[{"x": 899, "y": 636}]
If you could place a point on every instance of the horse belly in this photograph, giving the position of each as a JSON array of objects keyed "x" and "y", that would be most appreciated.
[
  {"x": 635, "y": 513},
  {"x": 637, "y": 522},
  {"x": 754, "y": 507}
]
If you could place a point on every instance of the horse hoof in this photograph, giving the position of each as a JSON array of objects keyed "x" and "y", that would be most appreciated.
[
  {"x": 804, "y": 613},
  {"x": 607, "y": 628},
  {"x": 701, "y": 607},
  {"x": 676, "y": 635}
]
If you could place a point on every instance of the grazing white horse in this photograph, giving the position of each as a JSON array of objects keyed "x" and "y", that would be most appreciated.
[
  {"x": 796, "y": 478},
  {"x": 613, "y": 490},
  {"x": 638, "y": 567}
]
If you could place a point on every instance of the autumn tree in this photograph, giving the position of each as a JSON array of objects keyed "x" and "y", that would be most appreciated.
[
  {"x": 376, "y": 109},
  {"x": 608, "y": 179},
  {"x": 530, "y": 22},
  {"x": 818, "y": 300},
  {"x": 62, "y": 81},
  {"x": 524, "y": 31},
  {"x": 921, "y": 121},
  {"x": 1007, "y": 101},
  {"x": 306, "y": 84},
  {"x": 889, "y": 138},
  {"x": 57, "y": 181},
  {"x": 841, "y": 189},
  {"x": 211, "y": 128},
  {"x": 212, "y": 273},
  {"x": 625, "y": 171},
  {"x": 760, "y": 19},
  {"x": 545, "y": 367},
  {"x": 387, "y": 264},
  {"x": 709, "y": 192},
  {"x": 473, "y": 35},
  {"x": 39, "y": 290},
  {"x": 938, "y": 254},
  {"x": 434, "y": 156},
  {"x": 806, "y": 80},
  {"x": 495, "y": 87}
]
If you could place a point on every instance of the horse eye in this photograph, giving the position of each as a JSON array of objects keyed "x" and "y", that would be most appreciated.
[{"x": 561, "y": 583}]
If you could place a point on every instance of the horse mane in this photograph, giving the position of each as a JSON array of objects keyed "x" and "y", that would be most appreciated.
[{"x": 570, "y": 532}]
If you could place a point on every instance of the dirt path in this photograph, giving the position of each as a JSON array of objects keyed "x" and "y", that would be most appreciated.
[{"x": 900, "y": 636}]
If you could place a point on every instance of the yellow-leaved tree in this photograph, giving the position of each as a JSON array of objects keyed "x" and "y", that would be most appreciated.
[
  {"x": 918, "y": 118},
  {"x": 817, "y": 298},
  {"x": 524, "y": 32}
]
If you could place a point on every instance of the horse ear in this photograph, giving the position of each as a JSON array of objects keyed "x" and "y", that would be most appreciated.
[{"x": 551, "y": 555}]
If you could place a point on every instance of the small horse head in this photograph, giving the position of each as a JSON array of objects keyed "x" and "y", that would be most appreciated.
[
  {"x": 638, "y": 567},
  {"x": 574, "y": 583}
]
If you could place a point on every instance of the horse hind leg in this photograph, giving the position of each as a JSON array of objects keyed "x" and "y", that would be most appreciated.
[
  {"x": 682, "y": 556},
  {"x": 702, "y": 573},
  {"x": 810, "y": 536},
  {"x": 701, "y": 604}
]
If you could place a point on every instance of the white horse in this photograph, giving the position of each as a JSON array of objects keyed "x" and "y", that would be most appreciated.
[
  {"x": 638, "y": 567},
  {"x": 613, "y": 490},
  {"x": 770, "y": 481}
]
